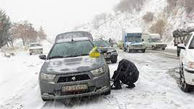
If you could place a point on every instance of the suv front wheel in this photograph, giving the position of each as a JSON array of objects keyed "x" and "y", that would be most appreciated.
[
  {"x": 114, "y": 59},
  {"x": 183, "y": 85}
]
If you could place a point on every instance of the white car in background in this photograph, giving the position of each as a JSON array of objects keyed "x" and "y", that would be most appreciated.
[
  {"x": 187, "y": 64},
  {"x": 35, "y": 48}
]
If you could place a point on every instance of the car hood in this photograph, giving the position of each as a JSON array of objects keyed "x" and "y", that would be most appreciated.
[{"x": 72, "y": 65}]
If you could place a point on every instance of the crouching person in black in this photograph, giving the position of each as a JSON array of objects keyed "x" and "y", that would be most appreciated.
[{"x": 127, "y": 73}]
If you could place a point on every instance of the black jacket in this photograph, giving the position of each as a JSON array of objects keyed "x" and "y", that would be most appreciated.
[{"x": 127, "y": 72}]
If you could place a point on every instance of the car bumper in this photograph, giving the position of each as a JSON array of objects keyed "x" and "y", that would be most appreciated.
[
  {"x": 97, "y": 92},
  {"x": 189, "y": 76},
  {"x": 96, "y": 86},
  {"x": 136, "y": 47}
]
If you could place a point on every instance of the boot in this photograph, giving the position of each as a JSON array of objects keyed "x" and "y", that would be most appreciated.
[
  {"x": 117, "y": 85},
  {"x": 130, "y": 86}
]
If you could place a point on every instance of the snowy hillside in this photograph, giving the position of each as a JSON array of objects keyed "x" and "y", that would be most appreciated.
[{"x": 114, "y": 23}]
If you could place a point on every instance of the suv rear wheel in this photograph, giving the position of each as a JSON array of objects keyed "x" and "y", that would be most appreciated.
[{"x": 45, "y": 99}]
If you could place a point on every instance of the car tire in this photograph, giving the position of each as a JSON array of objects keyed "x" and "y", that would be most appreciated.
[
  {"x": 183, "y": 85},
  {"x": 108, "y": 92},
  {"x": 163, "y": 48},
  {"x": 143, "y": 50},
  {"x": 124, "y": 49},
  {"x": 30, "y": 53},
  {"x": 130, "y": 51},
  {"x": 114, "y": 59},
  {"x": 45, "y": 99}
]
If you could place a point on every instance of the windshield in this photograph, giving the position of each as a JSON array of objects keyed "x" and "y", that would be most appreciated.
[
  {"x": 154, "y": 40},
  {"x": 192, "y": 44},
  {"x": 101, "y": 43},
  {"x": 71, "y": 49},
  {"x": 133, "y": 39}
]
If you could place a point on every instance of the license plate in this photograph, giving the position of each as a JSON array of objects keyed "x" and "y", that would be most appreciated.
[{"x": 74, "y": 88}]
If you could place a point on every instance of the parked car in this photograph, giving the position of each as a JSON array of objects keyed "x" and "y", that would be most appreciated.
[
  {"x": 187, "y": 64},
  {"x": 35, "y": 48},
  {"x": 111, "y": 54},
  {"x": 153, "y": 42},
  {"x": 70, "y": 70}
]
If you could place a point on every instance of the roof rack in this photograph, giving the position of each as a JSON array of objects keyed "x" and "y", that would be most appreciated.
[{"x": 73, "y": 36}]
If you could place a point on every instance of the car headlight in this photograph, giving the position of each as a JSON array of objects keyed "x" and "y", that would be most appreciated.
[
  {"x": 191, "y": 65},
  {"x": 98, "y": 72},
  {"x": 48, "y": 77}
]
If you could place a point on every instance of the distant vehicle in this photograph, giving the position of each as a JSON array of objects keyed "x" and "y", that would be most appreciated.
[
  {"x": 153, "y": 42},
  {"x": 111, "y": 54},
  {"x": 120, "y": 44},
  {"x": 112, "y": 42},
  {"x": 35, "y": 48},
  {"x": 73, "y": 69},
  {"x": 180, "y": 35},
  {"x": 133, "y": 42},
  {"x": 187, "y": 63}
]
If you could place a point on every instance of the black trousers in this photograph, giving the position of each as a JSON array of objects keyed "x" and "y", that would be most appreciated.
[{"x": 118, "y": 77}]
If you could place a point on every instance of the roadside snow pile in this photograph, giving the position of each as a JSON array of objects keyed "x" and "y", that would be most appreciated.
[{"x": 18, "y": 77}]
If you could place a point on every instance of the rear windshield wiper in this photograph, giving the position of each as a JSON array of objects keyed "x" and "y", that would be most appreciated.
[{"x": 56, "y": 57}]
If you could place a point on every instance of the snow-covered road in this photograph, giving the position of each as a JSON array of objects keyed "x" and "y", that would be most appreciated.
[{"x": 156, "y": 88}]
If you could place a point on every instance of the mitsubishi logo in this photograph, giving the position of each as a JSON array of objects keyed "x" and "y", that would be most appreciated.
[{"x": 73, "y": 78}]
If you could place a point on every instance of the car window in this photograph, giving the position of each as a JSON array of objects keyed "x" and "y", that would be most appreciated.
[
  {"x": 101, "y": 44},
  {"x": 187, "y": 39},
  {"x": 192, "y": 44},
  {"x": 133, "y": 39},
  {"x": 71, "y": 49}
]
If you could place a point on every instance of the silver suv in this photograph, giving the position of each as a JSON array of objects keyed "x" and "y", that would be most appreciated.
[{"x": 69, "y": 71}]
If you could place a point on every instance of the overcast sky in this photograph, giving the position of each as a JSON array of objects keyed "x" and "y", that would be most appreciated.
[{"x": 55, "y": 16}]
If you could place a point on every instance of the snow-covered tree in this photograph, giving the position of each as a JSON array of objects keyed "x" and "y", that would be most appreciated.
[
  {"x": 41, "y": 34},
  {"x": 4, "y": 28}
]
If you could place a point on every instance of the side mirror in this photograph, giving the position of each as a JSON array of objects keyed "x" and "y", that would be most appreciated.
[
  {"x": 94, "y": 53},
  {"x": 181, "y": 46},
  {"x": 43, "y": 57}
]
